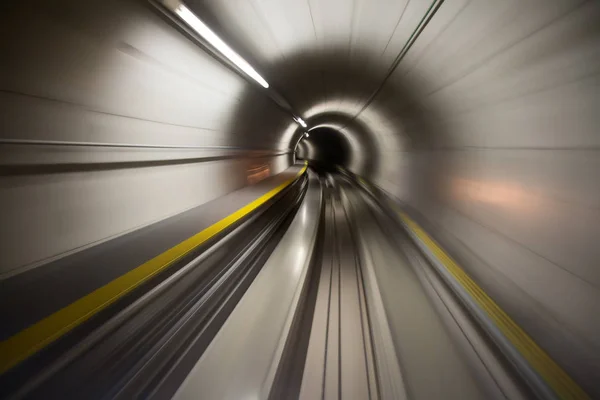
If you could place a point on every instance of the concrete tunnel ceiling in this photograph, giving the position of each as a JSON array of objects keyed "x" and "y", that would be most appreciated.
[
  {"x": 398, "y": 76},
  {"x": 328, "y": 60}
]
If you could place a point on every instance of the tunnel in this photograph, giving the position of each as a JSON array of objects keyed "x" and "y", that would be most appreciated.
[{"x": 312, "y": 199}]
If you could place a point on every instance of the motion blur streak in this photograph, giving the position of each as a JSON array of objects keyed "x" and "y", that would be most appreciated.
[{"x": 122, "y": 135}]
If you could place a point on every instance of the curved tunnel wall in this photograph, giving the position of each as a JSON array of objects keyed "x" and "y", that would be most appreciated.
[
  {"x": 485, "y": 126},
  {"x": 152, "y": 123}
]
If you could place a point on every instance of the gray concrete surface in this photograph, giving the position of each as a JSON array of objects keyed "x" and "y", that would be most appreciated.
[
  {"x": 242, "y": 359},
  {"x": 115, "y": 73}
]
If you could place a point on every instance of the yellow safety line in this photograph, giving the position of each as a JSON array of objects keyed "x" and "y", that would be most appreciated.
[
  {"x": 32, "y": 339},
  {"x": 542, "y": 363}
]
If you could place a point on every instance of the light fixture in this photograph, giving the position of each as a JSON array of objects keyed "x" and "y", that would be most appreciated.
[
  {"x": 200, "y": 27},
  {"x": 301, "y": 122},
  {"x": 306, "y": 134}
]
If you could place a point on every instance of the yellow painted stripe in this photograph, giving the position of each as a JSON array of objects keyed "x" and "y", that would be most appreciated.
[
  {"x": 32, "y": 339},
  {"x": 554, "y": 375}
]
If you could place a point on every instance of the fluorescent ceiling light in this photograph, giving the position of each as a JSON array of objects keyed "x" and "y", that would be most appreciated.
[
  {"x": 200, "y": 27},
  {"x": 301, "y": 122}
]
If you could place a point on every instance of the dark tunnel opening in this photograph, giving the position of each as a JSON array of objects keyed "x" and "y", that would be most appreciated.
[{"x": 325, "y": 147}]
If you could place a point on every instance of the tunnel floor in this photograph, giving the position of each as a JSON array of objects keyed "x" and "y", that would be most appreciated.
[{"x": 318, "y": 291}]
